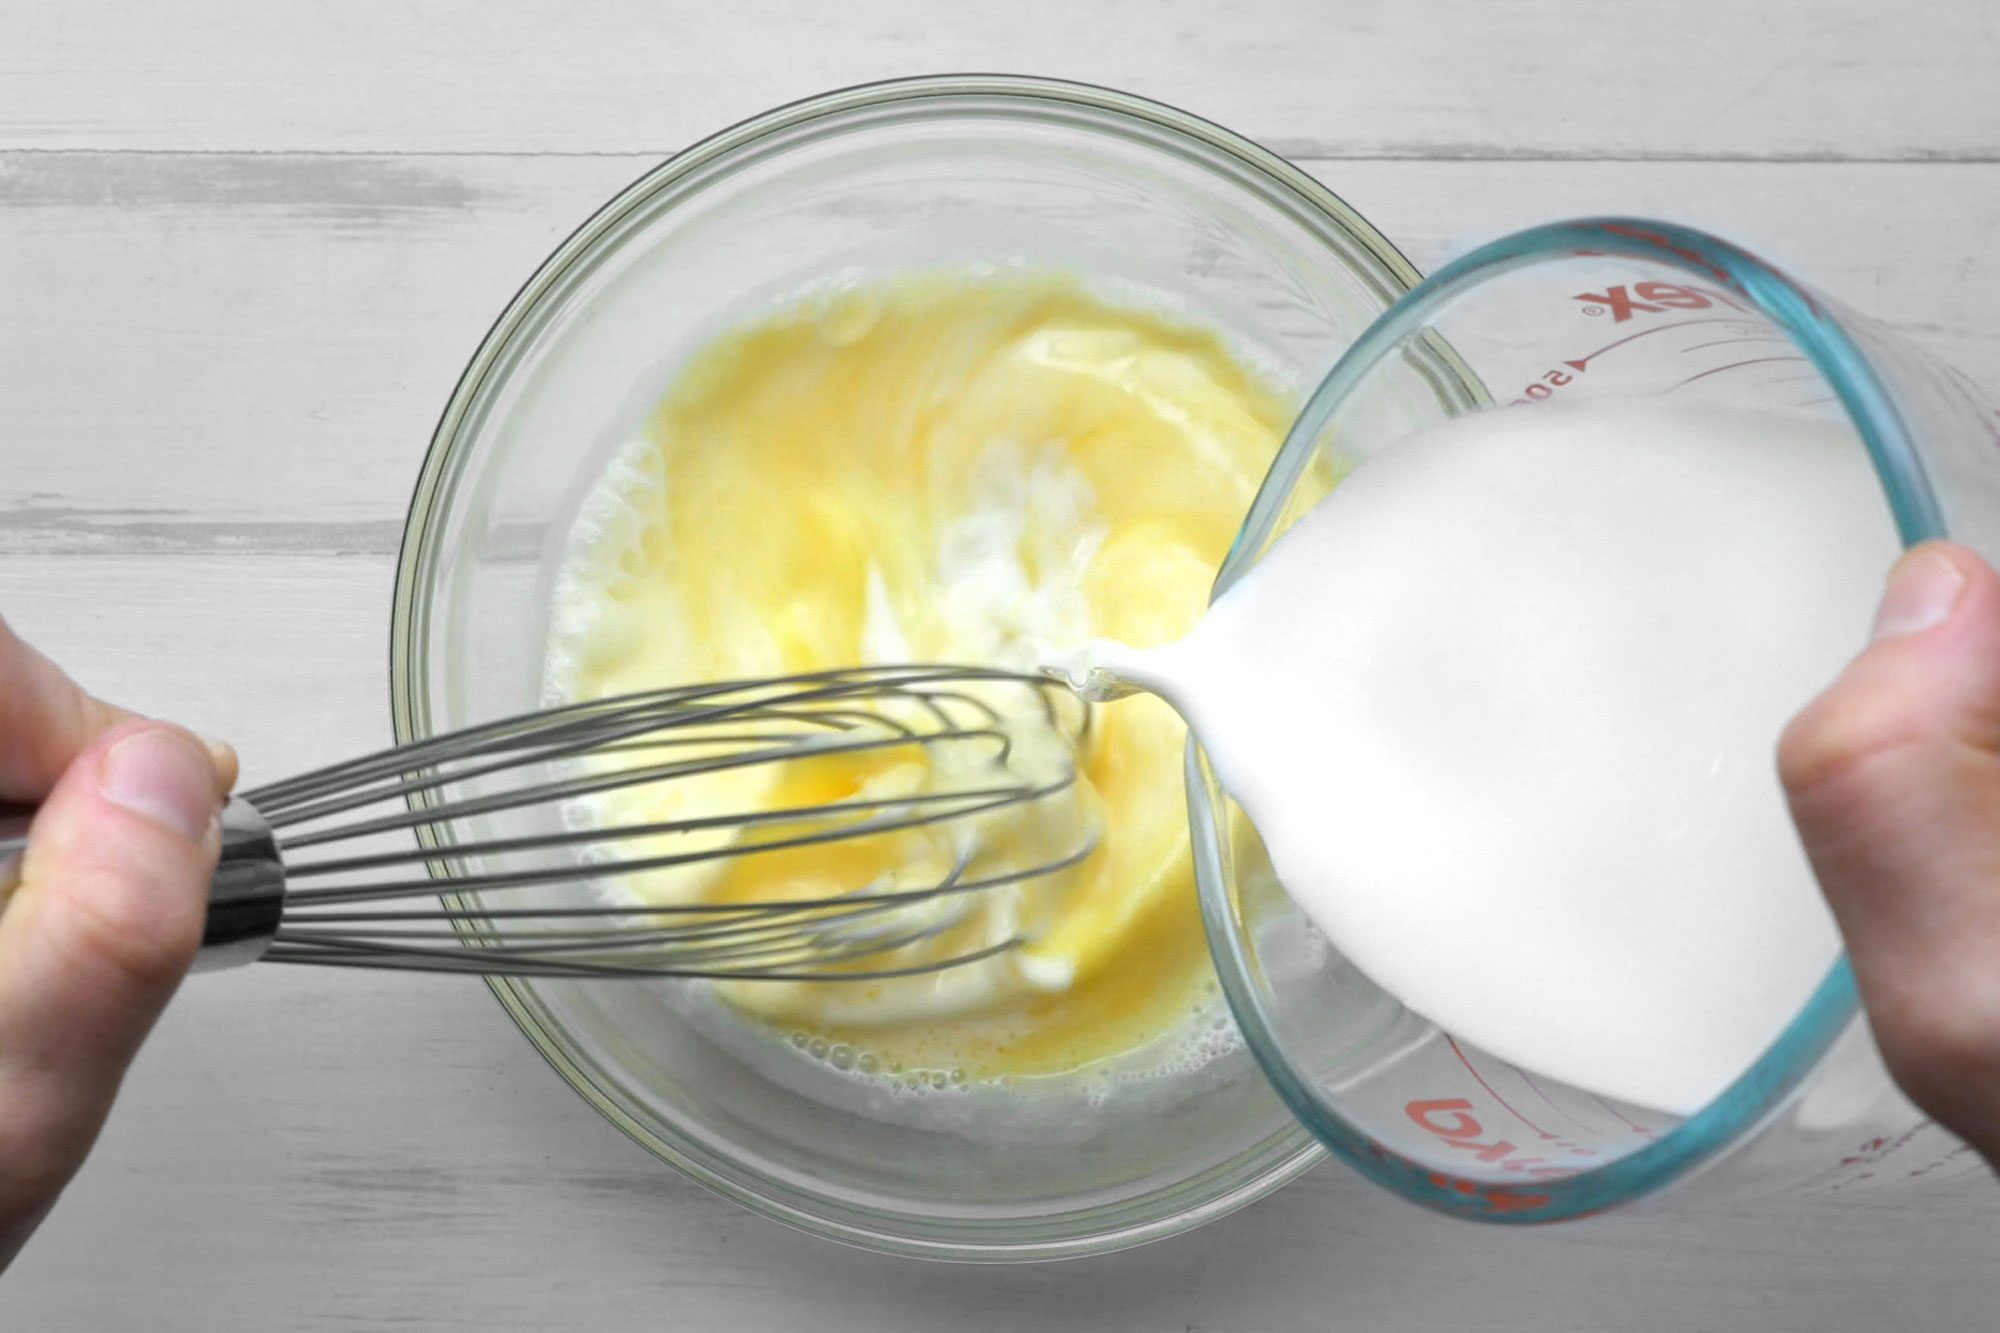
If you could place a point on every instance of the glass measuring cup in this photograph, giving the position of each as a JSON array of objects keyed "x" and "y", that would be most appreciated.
[{"x": 1571, "y": 310}]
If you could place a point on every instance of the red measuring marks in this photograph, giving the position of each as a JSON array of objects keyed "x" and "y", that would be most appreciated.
[
  {"x": 1622, "y": 1119},
  {"x": 1626, "y": 301},
  {"x": 1651, "y": 298},
  {"x": 1553, "y": 1105},
  {"x": 1451, "y": 1122},
  {"x": 1481, "y": 1080},
  {"x": 1454, "y": 1123}
]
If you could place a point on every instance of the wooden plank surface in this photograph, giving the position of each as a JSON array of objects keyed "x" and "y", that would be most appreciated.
[
  {"x": 1788, "y": 79},
  {"x": 245, "y": 250}
]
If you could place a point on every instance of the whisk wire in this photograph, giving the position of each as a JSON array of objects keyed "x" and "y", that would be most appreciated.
[{"x": 346, "y": 905}]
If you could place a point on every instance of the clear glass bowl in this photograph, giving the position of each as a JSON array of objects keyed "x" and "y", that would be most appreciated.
[{"x": 931, "y": 171}]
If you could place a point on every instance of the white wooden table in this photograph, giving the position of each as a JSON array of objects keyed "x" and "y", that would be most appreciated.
[{"x": 245, "y": 249}]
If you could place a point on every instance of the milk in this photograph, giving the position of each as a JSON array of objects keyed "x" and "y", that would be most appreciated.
[{"x": 1503, "y": 708}]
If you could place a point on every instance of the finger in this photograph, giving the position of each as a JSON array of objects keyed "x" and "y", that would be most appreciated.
[
  {"x": 46, "y": 720},
  {"x": 107, "y": 916},
  {"x": 1893, "y": 776}
]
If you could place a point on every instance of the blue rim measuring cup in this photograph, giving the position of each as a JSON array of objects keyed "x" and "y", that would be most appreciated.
[{"x": 1578, "y": 309}]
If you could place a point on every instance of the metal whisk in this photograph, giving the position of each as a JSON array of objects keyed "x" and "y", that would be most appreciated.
[{"x": 396, "y": 860}]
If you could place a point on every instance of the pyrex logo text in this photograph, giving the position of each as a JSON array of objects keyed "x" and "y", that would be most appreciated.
[{"x": 1653, "y": 297}]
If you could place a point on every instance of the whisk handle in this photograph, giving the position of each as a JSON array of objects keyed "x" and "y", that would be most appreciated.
[{"x": 246, "y": 896}]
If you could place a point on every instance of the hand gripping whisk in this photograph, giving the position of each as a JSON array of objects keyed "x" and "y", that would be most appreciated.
[{"x": 400, "y": 859}]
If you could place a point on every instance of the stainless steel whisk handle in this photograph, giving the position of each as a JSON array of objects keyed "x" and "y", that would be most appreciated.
[{"x": 246, "y": 895}]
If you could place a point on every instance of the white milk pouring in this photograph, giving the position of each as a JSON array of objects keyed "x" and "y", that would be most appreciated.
[{"x": 1503, "y": 708}]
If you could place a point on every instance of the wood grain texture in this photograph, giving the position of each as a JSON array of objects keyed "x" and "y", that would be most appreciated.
[
  {"x": 245, "y": 250},
  {"x": 1787, "y": 79}
]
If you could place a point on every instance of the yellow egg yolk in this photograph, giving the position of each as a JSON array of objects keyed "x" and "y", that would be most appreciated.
[{"x": 938, "y": 467}]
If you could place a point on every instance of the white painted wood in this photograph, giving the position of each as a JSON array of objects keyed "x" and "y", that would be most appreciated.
[
  {"x": 250, "y": 352},
  {"x": 1709, "y": 78},
  {"x": 244, "y": 251}
]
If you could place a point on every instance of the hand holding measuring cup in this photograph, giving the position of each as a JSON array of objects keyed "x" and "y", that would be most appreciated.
[
  {"x": 98, "y": 920},
  {"x": 1893, "y": 776}
]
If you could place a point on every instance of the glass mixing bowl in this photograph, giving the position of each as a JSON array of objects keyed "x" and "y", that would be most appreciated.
[{"x": 932, "y": 171}]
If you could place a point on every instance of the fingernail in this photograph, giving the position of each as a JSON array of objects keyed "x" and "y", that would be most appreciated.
[
  {"x": 160, "y": 776},
  {"x": 223, "y": 756},
  {"x": 1923, "y": 588}
]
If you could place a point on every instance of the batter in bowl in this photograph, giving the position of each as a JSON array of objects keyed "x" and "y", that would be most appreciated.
[{"x": 945, "y": 466}]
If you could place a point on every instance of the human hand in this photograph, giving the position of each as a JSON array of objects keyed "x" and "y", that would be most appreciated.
[
  {"x": 1893, "y": 775},
  {"x": 100, "y": 917}
]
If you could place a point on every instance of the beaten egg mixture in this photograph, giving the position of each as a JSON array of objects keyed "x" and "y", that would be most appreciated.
[{"x": 937, "y": 467}]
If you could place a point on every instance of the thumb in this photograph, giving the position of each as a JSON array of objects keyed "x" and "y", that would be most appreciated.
[
  {"x": 1893, "y": 775},
  {"x": 104, "y": 921}
]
